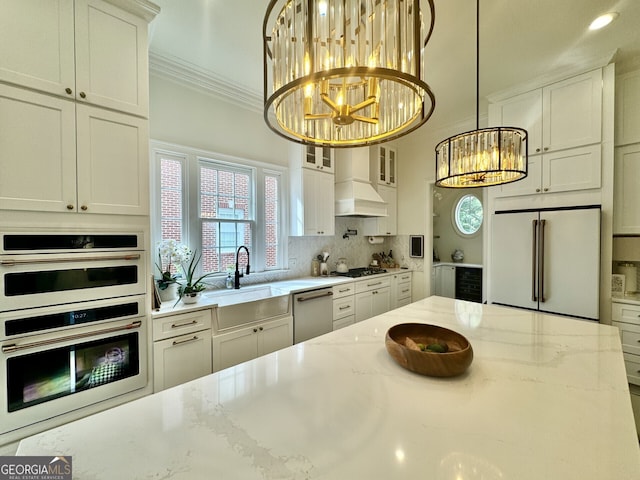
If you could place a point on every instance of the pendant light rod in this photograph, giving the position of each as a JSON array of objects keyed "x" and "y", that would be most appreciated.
[{"x": 477, "y": 64}]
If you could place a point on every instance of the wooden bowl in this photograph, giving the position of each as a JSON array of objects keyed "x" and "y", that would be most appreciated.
[{"x": 454, "y": 362}]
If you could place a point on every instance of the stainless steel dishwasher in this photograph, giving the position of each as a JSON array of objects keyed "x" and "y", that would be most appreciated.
[{"x": 312, "y": 314}]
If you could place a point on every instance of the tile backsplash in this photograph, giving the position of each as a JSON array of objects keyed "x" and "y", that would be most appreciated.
[{"x": 356, "y": 249}]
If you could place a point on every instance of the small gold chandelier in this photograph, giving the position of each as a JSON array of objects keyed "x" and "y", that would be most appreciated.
[
  {"x": 345, "y": 73},
  {"x": 482, "y": 157}
]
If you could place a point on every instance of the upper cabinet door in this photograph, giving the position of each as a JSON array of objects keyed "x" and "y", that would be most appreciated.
[
  {"x": 522, "y": 111},
  {"x": 318, "y": 158},
  {"x": 572, "y": 112},
  {"x": 111, "y": 57},
  {"x": 36, "y": 45}
]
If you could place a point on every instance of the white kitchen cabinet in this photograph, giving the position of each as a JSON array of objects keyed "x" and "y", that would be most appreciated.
[
  {"x": 383, "y": 226},
  {"x": 400, "y": 289},
  {"x": 181, "y": 348},
  {"x": 249, "y": 342},
  {"x": 627, "y": 318},
  {"x": 562, "y": 171},
  {"x": 344, "y": 306},
  {"x": 312, "y": 203},
  {"x": 559, "y": 116},
  {"x": 373, "y": 297},
  {"x": 86, "y": 159},
  {"x": 445, "y": 281},
  {"x": 94, "y": 53},
  {"x": 383, "y": 164},
  {"x": 315, "y": 158},
  {"x": 627, "y": 125},
  {"x": 564, "y": 124},
  {"x": 626, "y": 194}
]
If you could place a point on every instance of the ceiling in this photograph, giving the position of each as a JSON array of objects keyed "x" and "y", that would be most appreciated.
[{"x": 519, "y": 42}]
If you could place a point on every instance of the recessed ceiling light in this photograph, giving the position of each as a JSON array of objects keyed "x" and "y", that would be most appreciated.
[{"x": 603, "y": 20}]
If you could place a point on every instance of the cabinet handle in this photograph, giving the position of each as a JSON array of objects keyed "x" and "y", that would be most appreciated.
[
  {"x": 348, "y": 289},
  {"x": 69, "y": 207},
  {"x": 405, "y": 291},
  {"x": 373, "y": 284},
  {"x": 84, "y": 208},
  {"x": 83, "y": 95},
  {"x": 68, "y": 91},
  {"x": 185, "y": 324},
  {"x": 180, "y": 342},
  {"x": 349, "y": 306}
]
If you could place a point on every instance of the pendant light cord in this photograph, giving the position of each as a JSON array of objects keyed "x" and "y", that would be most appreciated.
[{"x": 477, "y": 64}]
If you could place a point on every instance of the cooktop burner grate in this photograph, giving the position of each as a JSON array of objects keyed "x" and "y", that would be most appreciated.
[{"x": 360, "y": 272}]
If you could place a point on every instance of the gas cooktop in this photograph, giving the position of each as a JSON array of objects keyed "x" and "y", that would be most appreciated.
[{"x": 360, "y": 272}]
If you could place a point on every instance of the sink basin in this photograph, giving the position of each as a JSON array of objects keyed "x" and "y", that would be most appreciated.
[{"x": 248, "y": 305}]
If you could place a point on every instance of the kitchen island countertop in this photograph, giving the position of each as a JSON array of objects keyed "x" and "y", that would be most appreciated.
[{"x": 545, "y": 397}]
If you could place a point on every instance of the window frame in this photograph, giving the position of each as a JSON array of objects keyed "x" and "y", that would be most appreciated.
[
  {"x": 454, "y": 220},
  {"x": 191, "y": 160}
]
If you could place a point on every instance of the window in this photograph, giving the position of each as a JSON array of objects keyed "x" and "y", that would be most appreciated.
[
  {"x": 215, "y": 204},
  {"x": 468, "y": 215}
]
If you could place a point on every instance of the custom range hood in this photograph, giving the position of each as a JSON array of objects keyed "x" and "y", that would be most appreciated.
[{"x": 354, "y": 194}]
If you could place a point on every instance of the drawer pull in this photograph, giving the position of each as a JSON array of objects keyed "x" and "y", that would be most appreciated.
[
  {"x": 185, "y": 324},
  {"x": 180, "y": 342},
  {"x": 348, "y": 290},
  {"x": 349, "y": 306},
  {"x": 374, "y": 284}
]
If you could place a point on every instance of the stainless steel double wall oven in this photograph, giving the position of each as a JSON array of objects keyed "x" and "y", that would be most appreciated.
[{"x": 74, "y": 322}]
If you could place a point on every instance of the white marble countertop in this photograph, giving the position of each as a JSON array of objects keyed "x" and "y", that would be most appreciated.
[
  {"x": 287, "y": 286},
  {"x": 633, "y": 299},
  {"x": 545, "y": 398},
  {"x": 456, "y": 264}
]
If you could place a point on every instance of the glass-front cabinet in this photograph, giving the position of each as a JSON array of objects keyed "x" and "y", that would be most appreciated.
[
  {"x": 320, "y": 158},
  {"x": 386, "y": 165}
]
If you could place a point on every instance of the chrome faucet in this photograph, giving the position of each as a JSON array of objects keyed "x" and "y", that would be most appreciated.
[{"x": 236, "y": 284}]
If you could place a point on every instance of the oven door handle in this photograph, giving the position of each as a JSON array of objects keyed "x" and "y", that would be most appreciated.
[
  {"x": 12, "y": 347},
  {"x": 10, "y": 261}
]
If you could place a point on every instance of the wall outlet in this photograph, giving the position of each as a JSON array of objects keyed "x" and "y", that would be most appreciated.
[{"x": 293, "y": 262}]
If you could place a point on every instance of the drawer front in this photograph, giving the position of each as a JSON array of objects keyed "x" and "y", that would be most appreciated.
[
  {"x": 372, "y": 284},
  {"x": 181, "y": 324},
  {"x": 629, "y": 336},
  {"x": 632, "y": 365},
  {"x": 343, "y": 290},
  {"x": 623, "y": 312},
  {"x": 344, "y": 307},
  {"x": 404, "y": 290},
  {"x": 404, "y": 277},
  {"x": 344, "y": 322},
  {"x": 403, "y": 301}
]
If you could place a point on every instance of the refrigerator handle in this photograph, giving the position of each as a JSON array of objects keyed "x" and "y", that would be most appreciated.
[
  {"x": 541, "y": 276},
  {"x": 534, "y": 260}
]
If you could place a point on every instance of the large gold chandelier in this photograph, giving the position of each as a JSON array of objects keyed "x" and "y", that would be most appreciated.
[{"x": 345, "y": 73}]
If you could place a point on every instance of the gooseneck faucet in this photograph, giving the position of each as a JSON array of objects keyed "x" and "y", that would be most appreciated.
[{"x": 236, "y": 284}]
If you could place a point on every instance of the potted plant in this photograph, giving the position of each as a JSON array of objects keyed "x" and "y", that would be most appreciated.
[
  {"x": 171, "y": 254},
  {"x": 189, "y": 290}
]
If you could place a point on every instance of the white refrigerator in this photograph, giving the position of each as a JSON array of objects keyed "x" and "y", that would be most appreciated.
[{"x": 547, "y": 260}]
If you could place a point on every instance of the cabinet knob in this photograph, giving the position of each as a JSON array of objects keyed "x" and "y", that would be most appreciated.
[
  {"x": 537, "y": 190},
  {"x": 69, "y": 207},
  {"x": 546, "y": 189},
  {"x": 261, "y": 329},
  {"x": 83, "y": 95},
  {"x": 537, "y": 150},
  {"x": 546, "y": 149},
  {"x": 255, "y": 330},
  {"x": 83, "y": 207},
  {"x": 68, "y": 91}
]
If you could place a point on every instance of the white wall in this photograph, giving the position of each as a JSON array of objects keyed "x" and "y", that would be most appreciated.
[{"x": 192, "y": 118}]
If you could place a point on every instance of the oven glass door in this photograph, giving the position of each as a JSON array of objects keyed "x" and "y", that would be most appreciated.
[{"x": 52, "y": 374}]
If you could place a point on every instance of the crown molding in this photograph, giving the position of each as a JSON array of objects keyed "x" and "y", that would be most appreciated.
[
  {"x": 142, "y": 8},
  {"x": 206, "y": 81}
]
